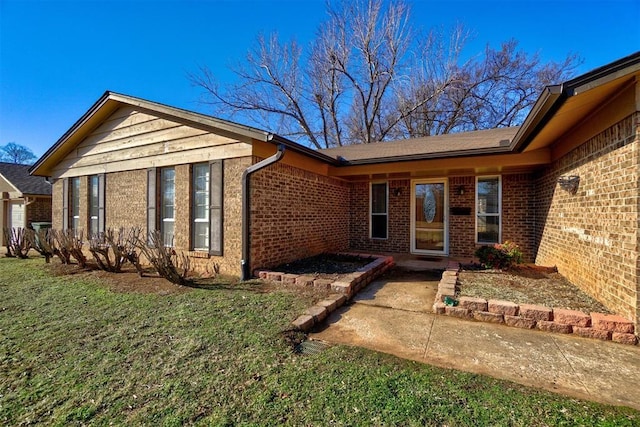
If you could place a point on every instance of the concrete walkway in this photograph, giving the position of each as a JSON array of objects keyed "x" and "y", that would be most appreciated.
[{"x": 394, "y": 316}]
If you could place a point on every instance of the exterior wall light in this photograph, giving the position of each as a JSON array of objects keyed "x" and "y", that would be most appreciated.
[
  {"x": 569, "y": 183},
  {"x": 460, "y": 190}
]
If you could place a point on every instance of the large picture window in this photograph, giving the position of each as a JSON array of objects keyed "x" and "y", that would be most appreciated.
[
  {"x": 379, "y": 215},
  {"x": 488, "y": 209}
]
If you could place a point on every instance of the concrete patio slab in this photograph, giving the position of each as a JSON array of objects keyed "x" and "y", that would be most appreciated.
[
  {"x": 383, "y": 319},
  {"x": 408, "y": 291}
]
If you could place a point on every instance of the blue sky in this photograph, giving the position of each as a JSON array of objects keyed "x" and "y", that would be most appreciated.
[{"x": 58, "y": 57}]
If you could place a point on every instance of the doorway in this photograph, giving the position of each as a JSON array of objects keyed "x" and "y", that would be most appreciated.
[{"x": 429, "y": 217}]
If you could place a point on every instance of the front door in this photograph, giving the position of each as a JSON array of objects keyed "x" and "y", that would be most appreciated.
[{"x": 429, "y": 217}]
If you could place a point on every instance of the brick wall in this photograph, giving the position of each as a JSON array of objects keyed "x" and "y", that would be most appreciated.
[
  {"x": 517, "y": 216},
  {"x": 592, "y": 236},
  {"x": 39, "y": 210},
  {"x": 462, "y": 227},
  {"x": 56, "y": 204},
  {"x": 125, "y": 199},
  {"x": 518, "y": 213},
  {"x": 296, "y": 214},
  {"x": 399, "y": 221}
]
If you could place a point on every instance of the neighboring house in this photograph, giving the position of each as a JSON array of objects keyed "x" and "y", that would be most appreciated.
[
  {"x": 24, "y": 199},
  {"x": 564, "y": 186}
]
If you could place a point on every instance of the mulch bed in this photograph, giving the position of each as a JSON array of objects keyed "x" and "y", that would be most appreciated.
[
  {"x": 325, "y": 266},
  {"x": 528, "y": 284}
]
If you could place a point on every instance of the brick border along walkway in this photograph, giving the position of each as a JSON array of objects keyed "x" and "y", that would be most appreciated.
[
  {"x": 343, "y": 290},
  {"x": 593, "y": 325}
]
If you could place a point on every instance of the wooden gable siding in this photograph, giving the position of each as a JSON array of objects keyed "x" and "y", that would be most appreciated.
[{"x": 130, "y": 139}]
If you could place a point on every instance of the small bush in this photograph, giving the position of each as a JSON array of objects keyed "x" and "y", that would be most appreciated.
[{"x": 500, "y": 256}]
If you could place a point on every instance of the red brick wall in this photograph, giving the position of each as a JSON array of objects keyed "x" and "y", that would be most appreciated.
[
  {"x": 592, "y": 236},
  {"x": 39, "y": 210},
  {"x": 399, "y": 225},
  {"x": 518, "y": 213},
  {"x": 296, "y": 214},
  {"x": 462, "y": 226}
]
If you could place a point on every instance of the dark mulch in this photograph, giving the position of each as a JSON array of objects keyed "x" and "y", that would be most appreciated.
[{"x": 325, "y": 265}]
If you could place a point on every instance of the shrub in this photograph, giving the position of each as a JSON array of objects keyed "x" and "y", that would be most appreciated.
[{"x": 500, "y": 256}]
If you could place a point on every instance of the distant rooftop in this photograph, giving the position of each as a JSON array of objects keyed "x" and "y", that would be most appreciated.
[{"x": 18, "y": 175}]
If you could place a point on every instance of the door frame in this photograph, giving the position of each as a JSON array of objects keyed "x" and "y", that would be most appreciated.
[{"x": 445, "y": 181}]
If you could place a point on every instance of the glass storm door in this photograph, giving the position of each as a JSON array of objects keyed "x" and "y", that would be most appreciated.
[{"x": 429, "y": 228}]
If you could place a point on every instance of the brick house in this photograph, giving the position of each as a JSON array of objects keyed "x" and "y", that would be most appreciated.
[
  {"x": 24, "y": 199},
  {"x": 564, "y": 186}
]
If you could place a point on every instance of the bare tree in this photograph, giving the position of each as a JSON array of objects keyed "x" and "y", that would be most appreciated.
[
  {"x": 369, "y": 76},
  {"x": 16, "y": 153}
]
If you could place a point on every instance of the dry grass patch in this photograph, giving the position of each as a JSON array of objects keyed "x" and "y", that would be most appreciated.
[{"x": 528, "y": 284}]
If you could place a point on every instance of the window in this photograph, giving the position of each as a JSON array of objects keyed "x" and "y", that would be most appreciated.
[
  {"x": 167, "y": 204},
  {"x": 200, "y": 184},
  {"x": 74, "y": 203},
  {"x": 488, "y": 208},
  {"x": 379, "y": 214},
  {"x": 96, "y": 204},
  {"x": 207, "y": 188}
]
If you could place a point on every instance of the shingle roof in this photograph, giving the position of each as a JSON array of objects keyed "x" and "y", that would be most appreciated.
[
  {"x": 18, "y": 175},
  {"x": 430, "y": 146}
]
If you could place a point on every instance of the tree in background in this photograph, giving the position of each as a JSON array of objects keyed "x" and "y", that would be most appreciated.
[
  {"x": 16, "y": 153},
  {"x": 370, "y": 76}
]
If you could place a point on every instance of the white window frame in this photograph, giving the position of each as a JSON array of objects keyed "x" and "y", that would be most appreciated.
[
  {"x": 164, "y": 220},
  {"x": 499, "y": 214},
  {"x": 90, "y": 189},
  {"x": 194, "y": 219},
  {"x": 371, "y": 213}
]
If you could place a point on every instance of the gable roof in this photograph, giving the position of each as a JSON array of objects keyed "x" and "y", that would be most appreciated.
[
  {"x": 453, "y": 144},
  {"x": 109, "y": 102},
  {"x": 18, "y": 176}
]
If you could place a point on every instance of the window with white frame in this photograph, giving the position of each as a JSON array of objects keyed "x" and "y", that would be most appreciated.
[
  {"x": 488, "y": 209},
  {"x": 379, "y": 210},
  {"x": 167, "y": 204},
  {"x": 74, "y": 203},
  {"x": 200, "y": 229},
  {"x": 94, "y": 204}
]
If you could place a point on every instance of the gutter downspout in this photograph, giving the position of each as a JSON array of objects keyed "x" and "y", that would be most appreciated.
[{"x": 246, "y": 211}]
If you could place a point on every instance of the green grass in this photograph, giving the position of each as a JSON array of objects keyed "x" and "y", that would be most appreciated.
[{"x": 74, "y": 353}]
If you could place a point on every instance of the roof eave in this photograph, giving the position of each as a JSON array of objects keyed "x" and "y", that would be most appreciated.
[
  {"x": 553, "y": 97},
  {"x": 429, "y": 156}
]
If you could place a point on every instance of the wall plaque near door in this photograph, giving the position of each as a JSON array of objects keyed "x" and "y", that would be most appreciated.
[{"x": 460, "y": 211}]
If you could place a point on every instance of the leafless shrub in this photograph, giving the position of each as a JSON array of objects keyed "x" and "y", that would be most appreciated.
[
  {"x": 111, "y": 250},
  {"x": 165, "y": 260},
  {"x": 17, "y": 244},
  {"x": 42, "y": 242},
  {"x": 69, "y": 245}
]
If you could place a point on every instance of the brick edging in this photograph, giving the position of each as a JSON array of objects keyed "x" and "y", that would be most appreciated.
[
  {"x": 343, "y": 289},
  {"x": 607, "y": 327}
]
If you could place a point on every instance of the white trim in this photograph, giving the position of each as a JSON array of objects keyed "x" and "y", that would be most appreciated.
[
  {"x": 371, "y": 184},
  {"x": 499, "y": 214},
  {"x": 445, "y": 251}
]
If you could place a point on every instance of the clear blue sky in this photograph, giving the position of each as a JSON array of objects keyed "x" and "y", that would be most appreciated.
[{"x": 58, "y": 57}]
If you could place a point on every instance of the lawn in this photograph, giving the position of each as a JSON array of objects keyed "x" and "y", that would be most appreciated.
[{"x": 74, "y": 352}]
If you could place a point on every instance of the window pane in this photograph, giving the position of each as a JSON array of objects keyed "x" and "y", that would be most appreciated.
[
  {"x": 93, "y": 204},
  {"x": 488, "y": 190},
  {"x": 379, "y": 226},
  {"x": 167, "y": 232},
  {"x": 168, "y": 192},
  {"x": 488, "y": 229},
  {"x": 379, "y": 198},
  {"x": 200, "y": 218},
  {"x": 201, "y": 235}
]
